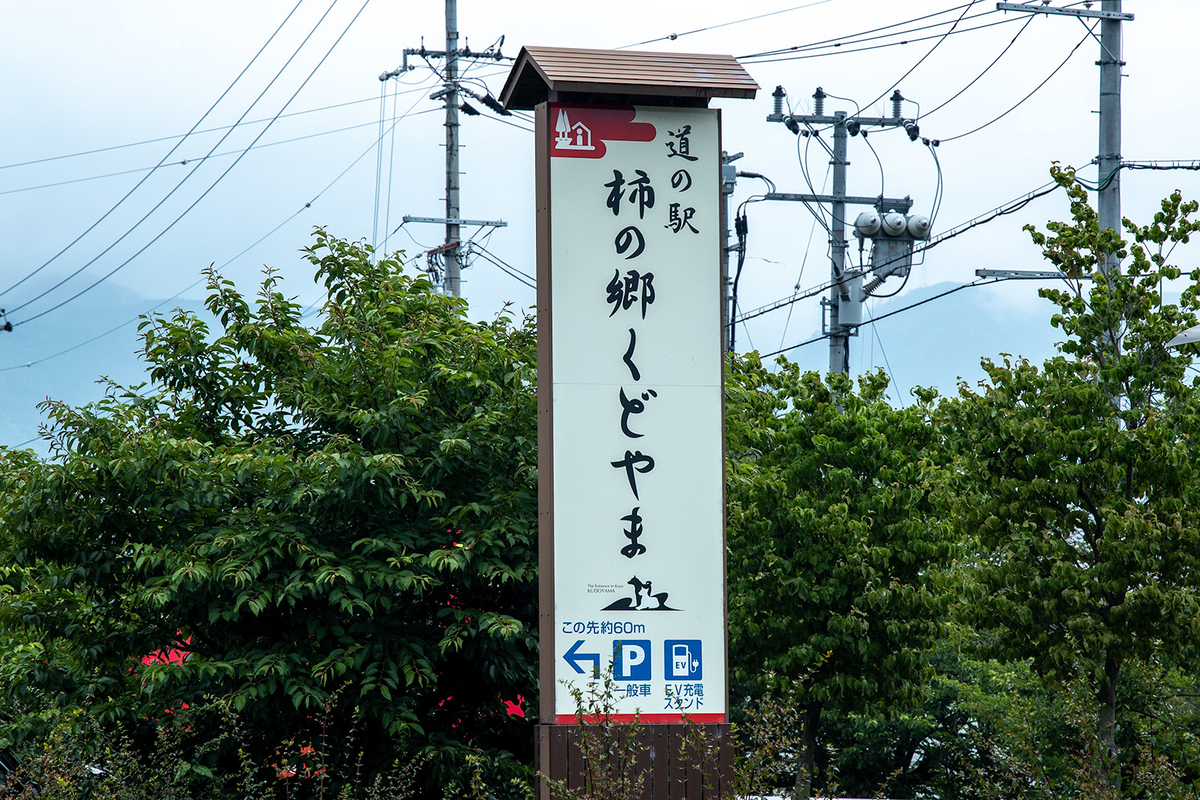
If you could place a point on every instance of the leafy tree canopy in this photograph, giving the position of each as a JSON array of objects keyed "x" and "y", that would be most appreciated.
[
  {"x": 1079, "y": 480},
  {"x": 834, "y": 548},
  {"x": 287, "y": 515}
]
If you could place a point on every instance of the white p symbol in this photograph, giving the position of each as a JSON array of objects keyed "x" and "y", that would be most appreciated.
[{"x": 631, "y": 656}]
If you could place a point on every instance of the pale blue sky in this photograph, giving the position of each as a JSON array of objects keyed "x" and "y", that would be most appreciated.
[{"x": 84, "y": 75}]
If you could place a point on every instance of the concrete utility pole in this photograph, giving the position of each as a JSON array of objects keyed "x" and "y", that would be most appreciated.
[
  {"x": 839, "y": 339},
  {"x": 1108, "y": 200},
  {"x": 450, "y": 252},
  {"x": 846, "y": 292},
  {"x": 1109, "y": 157},
  {"x": 452, "y": 284}
]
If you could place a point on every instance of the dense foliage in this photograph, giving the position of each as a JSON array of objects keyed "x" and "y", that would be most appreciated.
[
  {"x": 287, "y": 517},
  {"x": 1081, "y": 479},
  {"x": 834, "y": 549},
  {"x": 292, "y": 532}
]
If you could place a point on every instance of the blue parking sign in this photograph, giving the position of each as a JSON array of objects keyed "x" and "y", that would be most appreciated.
[{"x": 631, "y": 659}]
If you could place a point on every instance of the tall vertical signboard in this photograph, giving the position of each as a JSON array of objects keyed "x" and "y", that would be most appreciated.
[{"x": 630, "y": 407}]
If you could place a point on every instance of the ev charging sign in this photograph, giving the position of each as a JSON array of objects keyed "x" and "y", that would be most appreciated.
[{"x": 683, "y": 659}]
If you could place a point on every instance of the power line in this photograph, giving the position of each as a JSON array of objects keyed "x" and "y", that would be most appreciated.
[
  {"x": 210, "y": 188},
  {"x": 506, "y": 122},
  {"x": 888, "y": 364},
  {"x": 673, "y": 36},
  {"x": 164, "y": 158},
  {"x": 986, "y": 69},
  {"x": 1026, "y": 97},
  {"x": 187, "y": 161},
  {"x": 851, "y": 42},
  {"x": 256, "y": 243},
  {"x": 504, "y": 266},
  {"x": 763, "y": 60},
  {"x": 170, "y": 193},
  {"x": 379, "y": 163},
  {"x": 873, "y": 320},
  {"x": 840, "y": 39},
  {"x": 1000, "y": 211},
  {"x": 197, "y": 133},
  {"x": 921, "y": 60}
]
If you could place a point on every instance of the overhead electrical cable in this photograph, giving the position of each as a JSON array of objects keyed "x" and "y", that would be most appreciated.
[
  {"x": 900, "y": 43},
  {"x": 673, "y": 36},
  {"x": 1000, "y": 211},
  {"x": 986, "y": 69},
  {"x": 177, "y": 186},
  {"x": 199, "y": 159},
  {"x": 921, "y": 60},
  {"x": 196, "y": 133},
  {"x": 506, "y": 122},
  {"x": 838, "y": 40},
  {"x": 387, "y": 214},
  {"x": 1035, "y": 89},
  {"x": 850, "y": 43},
  {"x": 210, "y": 188},
  {"x": 256, "y": 243},
  {"x": 873, "y": 320},
  {"x": 138, "y": 185},
  {"x": 888, "y": 364},
  {"x": 504, "y": 266},
  {"x": 804, "y": 261},
  {"x": 379, "y": 163}
]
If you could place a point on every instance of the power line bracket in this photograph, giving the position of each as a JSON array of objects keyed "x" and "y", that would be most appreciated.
[{"x": 1065, "y": 12}]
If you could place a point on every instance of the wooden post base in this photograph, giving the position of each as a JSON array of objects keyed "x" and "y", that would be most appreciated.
[{"x": 660, "y": 762}]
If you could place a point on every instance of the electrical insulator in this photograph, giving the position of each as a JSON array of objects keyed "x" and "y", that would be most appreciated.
[
  {"x": 894, "y": 224},
  {"x": 896, "y": 99},
  {"x": 911, "y": 128},
  {"x": 867, "y": 223},
  {"x": 778, "y": 95},
  {"x": 819, "y": 102},
  {"x": 918, "y": 226}
]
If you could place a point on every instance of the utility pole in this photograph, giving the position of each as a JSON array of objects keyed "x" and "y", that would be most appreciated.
[
  {"x": 1108, "y": 160},
  {"x": 728, "y": 183},
  {"x": 1109, "y": 157},
  {"x": 846, "y": 296},
  {"x": 453, "y": 283},
  {"x": 839, "y": 329},
  {"x": 450, "y": 252}
]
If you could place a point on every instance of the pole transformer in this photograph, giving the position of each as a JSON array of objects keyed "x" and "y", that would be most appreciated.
[{"x": 844, "y": 304}]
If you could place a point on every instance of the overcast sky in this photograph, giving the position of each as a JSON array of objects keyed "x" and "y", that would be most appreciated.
[{"x": 97, "y": 93}]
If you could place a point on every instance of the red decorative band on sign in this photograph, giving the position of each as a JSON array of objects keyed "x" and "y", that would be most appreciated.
[
  {"x": 580, "y": 131},
  {"x": 647, "y": 719}
]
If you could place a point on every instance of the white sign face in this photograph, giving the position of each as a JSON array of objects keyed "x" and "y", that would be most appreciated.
[{"x": 637, "y": 409}]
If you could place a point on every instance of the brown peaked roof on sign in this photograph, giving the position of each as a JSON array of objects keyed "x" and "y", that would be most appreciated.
[{"x": 571, "y": 75}]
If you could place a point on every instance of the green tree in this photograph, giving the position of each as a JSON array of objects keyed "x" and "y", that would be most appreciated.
[
  {"x": 290, "y": 515},
  {"x": 1079, "y": 480},
  {"x": 833, "y": 543}
]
